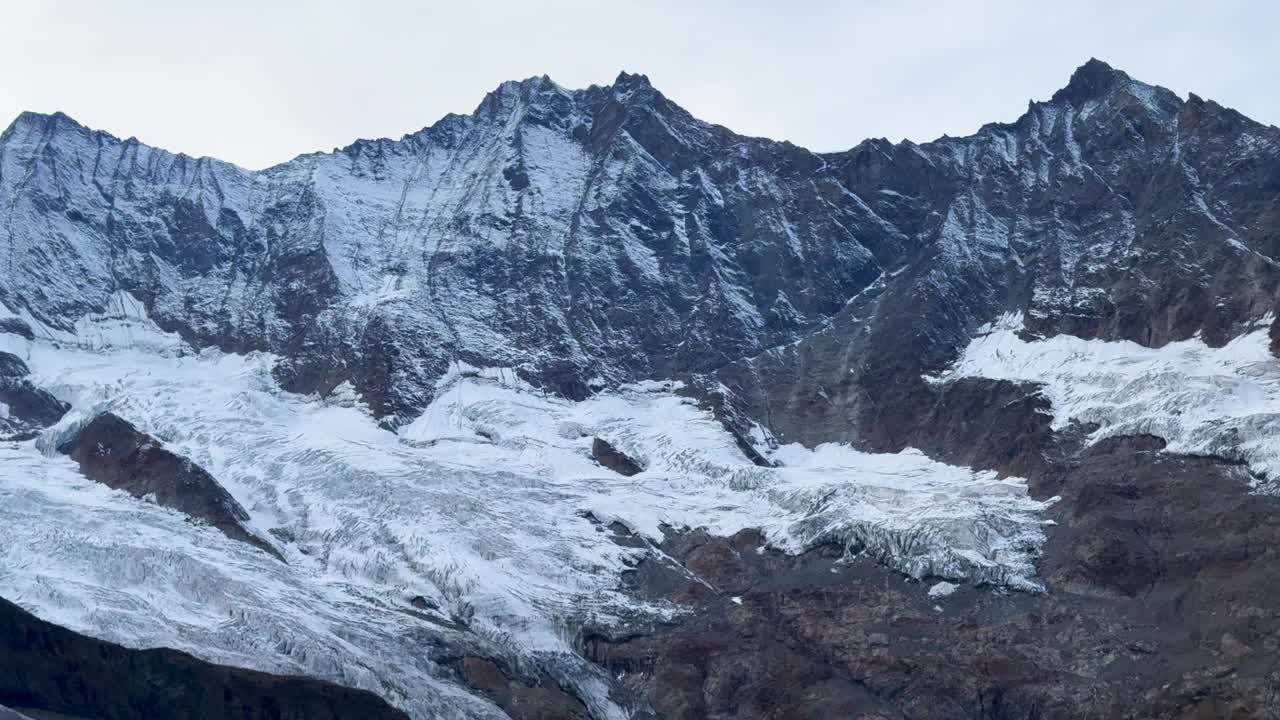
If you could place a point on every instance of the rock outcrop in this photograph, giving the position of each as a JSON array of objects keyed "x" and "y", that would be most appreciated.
[
  {"x": 46, "y": 667},
  {"x": 614, "y": 459},
  {"x": 541, "y": 700},
  {"x": 27, "y": 409},
  {"x": 113, "y": 452}
]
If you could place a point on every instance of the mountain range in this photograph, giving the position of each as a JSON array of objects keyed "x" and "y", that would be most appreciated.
[{"x": 579, "y": 406}]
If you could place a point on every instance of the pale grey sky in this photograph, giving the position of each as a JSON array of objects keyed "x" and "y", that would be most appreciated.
[{"x": 257, "y": 82}]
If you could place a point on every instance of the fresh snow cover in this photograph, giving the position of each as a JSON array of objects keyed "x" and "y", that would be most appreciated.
[
  {"x": 488, "y": 505},
  {"x": 498, "y": 236},
  {"x": 918, "y": 515},
  {"x": 1201, "y": 400}
]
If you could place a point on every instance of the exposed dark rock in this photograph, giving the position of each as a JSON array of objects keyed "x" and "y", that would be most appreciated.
[
  {"x": 113, "y": 452},
  {"x": 1159, "y": 570},
  {"x": 1274, "y": 334},
  {"x": 986, "y": 424},
  {"x": 47, "y": 667},
  {"x": 30, "y": 403},
  {"x": 16, "y": 326},
  {"x": 613, "y": 458},
  {"x": 12, "y": 366},
  {"x": 29, "y": 409},
  {"x": 422, "y": 603},
  {"x": 520, "y": 698}
]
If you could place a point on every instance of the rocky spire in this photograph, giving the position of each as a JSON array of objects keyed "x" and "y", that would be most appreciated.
[{"x": 1091, "y": 81}]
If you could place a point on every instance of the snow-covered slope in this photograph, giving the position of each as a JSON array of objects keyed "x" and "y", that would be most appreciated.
[
  {"x": 605, "y": 235},
  {"x": 488, "y": 507},
  {"x": 572, "y": 234},
  {"x": 1201, "y": 400}
]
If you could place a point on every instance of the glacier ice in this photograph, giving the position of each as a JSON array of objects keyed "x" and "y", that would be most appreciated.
[
  {"x": 488, "y": 505},
  {"x": 1201, "y": 400}
]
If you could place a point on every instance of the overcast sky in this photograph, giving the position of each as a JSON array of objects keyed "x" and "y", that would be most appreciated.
[{"x": 257, "y": 82}]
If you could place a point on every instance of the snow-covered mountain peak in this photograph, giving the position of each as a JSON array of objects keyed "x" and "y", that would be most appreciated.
[
  {"x": 634, "y": 87},
  {"x": 629, "y": 81},
  {"x": 1096, "y": 84},
  {"x": 34, "y": 131},
  {"x": 1091, "y": 81},
  {"x": 514, "y": 93},
  {"x": 29, "y": 121}
]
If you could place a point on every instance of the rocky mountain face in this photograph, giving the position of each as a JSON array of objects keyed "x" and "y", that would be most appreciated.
[
  {"x": 584, "y": 237},
  {"x": 593, "y": 238},
  {"x": 111, "y": 451},
  {"x": 604, "y": 235},
  {"x": 1114, "y": 211},
  {"x": 28, "y": 408}
]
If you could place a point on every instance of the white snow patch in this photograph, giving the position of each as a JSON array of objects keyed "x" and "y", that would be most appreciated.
[
  {"x": 482, "y": 505},
  {"x": 1202, "y": 400},
  {"x": 918, "y": 515},
  {"x": 942, "y": 589},
  {"x": 123, "y": 323}
]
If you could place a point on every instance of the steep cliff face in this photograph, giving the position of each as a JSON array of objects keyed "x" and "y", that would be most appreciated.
[
  {"x": 586, "y": 237},
  {"x": 1114, "y": 211},
  {"x": 603, "y": 235}
]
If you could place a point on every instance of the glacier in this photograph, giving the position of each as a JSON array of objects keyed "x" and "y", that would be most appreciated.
[
  {"x": 1202, "y": 400},
  {"x": 488, "y": 506}
]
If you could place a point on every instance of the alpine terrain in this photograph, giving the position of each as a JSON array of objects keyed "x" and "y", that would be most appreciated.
[{"x": 580, "y": 407}]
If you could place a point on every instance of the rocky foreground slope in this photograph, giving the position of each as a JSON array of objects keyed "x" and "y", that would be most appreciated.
[{"x": 578, "y": 406}]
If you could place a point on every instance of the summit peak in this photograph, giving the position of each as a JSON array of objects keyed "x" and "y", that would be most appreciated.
[{"x": 1090, "y": 81}]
